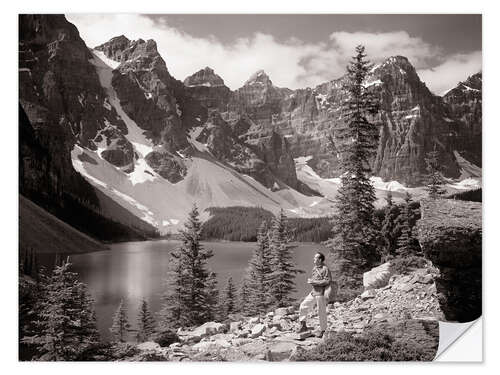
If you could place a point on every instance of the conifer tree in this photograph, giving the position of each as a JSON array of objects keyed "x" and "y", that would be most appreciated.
[
  {"x": 407, "y": 244},
  {"x": 229, "y": 298},
  {"x": 66, "y": 328},
  {"x": 353, "y": 245},
  {"x": 120, "y": 327},
  {"x": 259, "y": 273},
  {"x": 243, "y": 298},
  {"x": 189, "y": 298},
  {"x": 283, "y": 268},
  {"x": 388, "y": 231},
  {"x": 435, "y": 179},
  {"x": 175, "y": 298},
  {"x": 214, "y": 308},
  {"x": 145, "y": 322}
]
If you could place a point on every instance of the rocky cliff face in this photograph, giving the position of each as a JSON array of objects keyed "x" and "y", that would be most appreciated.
[
  {"x": 412, "y": 120},
  {"x": 450, "y": 233},
  {"x": 60, "y": 104},
  {"x": 209, "y": 89},
  {"x": 465, "y": 104}
]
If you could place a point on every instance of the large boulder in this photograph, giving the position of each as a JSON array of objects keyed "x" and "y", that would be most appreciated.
[
  {"x": 377, "y": 277},
  {"x": 450, "y": 233},
  {"x": 206, "y": 329},
  {"x": 257, "y": 330}
]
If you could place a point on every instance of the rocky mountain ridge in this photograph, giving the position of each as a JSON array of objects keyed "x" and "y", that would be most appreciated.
[{"x": 118, "y": 103}]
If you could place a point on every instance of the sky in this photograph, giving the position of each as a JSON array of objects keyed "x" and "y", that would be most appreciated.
[{"x": 298, "y": 51}]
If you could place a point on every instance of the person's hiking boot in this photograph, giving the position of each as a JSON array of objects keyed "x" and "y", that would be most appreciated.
[
  {"x": 320, "y": 334},
  {"x": 303, "y": 327}
]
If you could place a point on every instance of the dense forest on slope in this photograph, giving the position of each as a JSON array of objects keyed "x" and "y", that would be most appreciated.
[
  {"x": 241, "y": 223},
  {"x": 470, "y": 195}
]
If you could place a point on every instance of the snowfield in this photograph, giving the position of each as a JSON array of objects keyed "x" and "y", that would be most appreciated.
[{"x": 328, "y": 187}]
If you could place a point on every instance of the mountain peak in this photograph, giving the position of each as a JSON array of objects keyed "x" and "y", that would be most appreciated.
[
  {"x": 117, "y": 43},
  {"x": 401, "y": 62},
  {"x": 259, "y": 77},
  {"x": 204, "y": 77},
  {"x": 119, "y": 39},
  {"x": 473, "y": 84}
]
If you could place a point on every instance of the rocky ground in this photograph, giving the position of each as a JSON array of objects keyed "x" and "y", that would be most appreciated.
[{"x": 404, "y": 298}]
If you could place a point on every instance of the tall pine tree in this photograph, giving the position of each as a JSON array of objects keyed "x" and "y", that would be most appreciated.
[
  {"x": 175, "y": 299},
  {"x": 229, "y": 299},
  {"x": 189, "y": 298},
  {"x": 353, "y": 245},
  {"x": 67, "y": 327},
  {"x": 435, "y": 179},
  {"x": 145, "y": 322},
  {"x": 283, "y": 268},
  {"x": 259, "y": 273},
  {"x": 120, "y": 327},
  {"x": 243, "y": 296},
  {"x": 215, "y": 310}
]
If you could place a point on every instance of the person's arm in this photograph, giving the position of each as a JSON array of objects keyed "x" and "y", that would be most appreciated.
[{"x": 325, "y": 278}]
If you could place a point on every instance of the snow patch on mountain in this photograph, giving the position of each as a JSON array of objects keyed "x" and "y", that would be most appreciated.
[
  {"x": 195, "y": 133},
  {"x": 105, "y": 59},
  {"x": 104, "y": 68},
  {"x": 372, "y": 83},
  {"x": 467, "y": 169}
]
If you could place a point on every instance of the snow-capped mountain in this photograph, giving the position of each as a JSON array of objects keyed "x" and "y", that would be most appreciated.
[{"x": 155, "y": 145}]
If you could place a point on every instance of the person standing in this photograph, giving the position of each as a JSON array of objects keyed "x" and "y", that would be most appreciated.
[{"x": 319, "y": 280}]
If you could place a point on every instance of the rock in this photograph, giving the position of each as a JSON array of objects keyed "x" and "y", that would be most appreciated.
[
  {"x": 242, "y": 334},
  {"x": 241, "y": 341},
  {"x": 167, "y": 165},
  {"x": 404, "y": 287},
  {"x": 281, "y": 351},
  {"x": 377, "y": 277},
  {"x": 371, "y": 293},
  {"x": 209, "y": 328},
  {"x": 302, "y": 335},
  {"x": 254, "y": 348},
  {"x": 149, "y": 345},
  {"x": 222, "y": 343},
  {"x": 205, "y": 346},
  {"x": 282, "y": 311},
  {"x": 254, "y": 320},
  {"x": 380, "y": 317},
  {"x": 273, "y": 330},
  {"x": 465, "y": 104},
  {"x": 450, "y": 234},
  {"x": 234, "y": 326},
  {"x": 427, "y": 279},
  {"x": 257, "y": 330}
]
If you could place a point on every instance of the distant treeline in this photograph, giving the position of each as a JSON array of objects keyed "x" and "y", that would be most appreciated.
[
  {"x": 240, "y": 223},
  {"x": 470, "y": 195}
]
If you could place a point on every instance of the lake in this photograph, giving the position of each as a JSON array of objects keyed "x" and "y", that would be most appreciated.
[{"x": 137, "y": 270}]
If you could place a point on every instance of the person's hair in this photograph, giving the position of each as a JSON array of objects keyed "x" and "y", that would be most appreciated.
[{"x": 321, "y": 255}]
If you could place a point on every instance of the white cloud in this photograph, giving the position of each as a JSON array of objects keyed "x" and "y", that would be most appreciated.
[
  {"x": 382, "y": 45},
  {"x": 456, "y": 68},
  {"x": 293, "y": 63}
]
